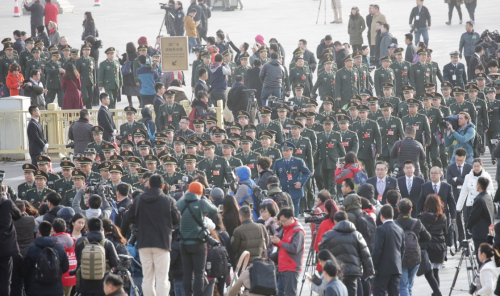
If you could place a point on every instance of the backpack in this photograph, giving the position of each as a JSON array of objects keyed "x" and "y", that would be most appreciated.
[
  {"x": 281, "y": 200},
  {"x": 127, "y": 67},
  {"x": 257, "y": 196},
  {"x": 48, "y": 267},
  {"x": 217, "y": 262},
  {"x": 93, "y": 265},
  {"x": 411, "y": 256},
  {"x": 360, "y": 178},
  {"x": 366, "y": 226}
]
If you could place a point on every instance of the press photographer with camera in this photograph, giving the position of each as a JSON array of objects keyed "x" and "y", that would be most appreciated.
[
  {"x": 94, "y": 200},
  {"x": 464, "y": 134},
  {"x": 147, "y": 76}
]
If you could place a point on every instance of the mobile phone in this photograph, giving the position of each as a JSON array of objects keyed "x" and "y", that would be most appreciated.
[
  {"x": 250, "y": 205},
  {"x": 221, "y": 208}
]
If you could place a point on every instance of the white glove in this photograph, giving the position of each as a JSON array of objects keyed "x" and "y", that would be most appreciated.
[
  {"x": 114, "y": 132},
  {"x": 46, "y": 147}
]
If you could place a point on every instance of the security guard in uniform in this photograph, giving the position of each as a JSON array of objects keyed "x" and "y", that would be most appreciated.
[
  {"x": 199, "y": 126},
  {"x": 403, "y": 106},
  {"x": 299, "y": 100},
  {"x": 43, "y": 165},
  {"x": 35, "y": 63},
  {"x": 420, "y": 73},
  {"x": 85, "y": 167},
  {"x": 349, "y": 138},
  {"x": 388, "y": 97},
  {"x": 36, "y": 196},
  {"x": 54, "y": 72},
  {"x": 312, "y": 122},
  {"x": 97, "y": 133},
  {"x": 346, "y": 82},
  {"x": 127, "y": 129},
  {"x": 391, "y": 131},
  {"x": 65, "y": 55},
  {"x": 243, "y": 67},
  {"x": 325, "y": 83},
  {"x": 283, "y": 120},
  {"x": 374, "y": 113},
  {"x": 247, "y": 156},
  {"x": 436, "y": 71},
  {"x": 267, "y": 124},
  {"x": 401, "y": 70},
  {"x": 5, "y": 61},
  {"x": 384, "y": 74},
  {"x": 27, "y": 54},
  {"x": 29, "y": 174},
  {"x": 461, "y": 105},
  {"x": 370, "y": 140},
  {"x": 436, "y": 124},
  {"x": 266, "y": 149},
  {"x": 365, "y": 79},
  {"x": 110, "y": 77},
  {"x": 292, "y": 173},
  {"x": 216, "y": 168},
  {"x": 132, "y": 178},
  {"x": 65, "y": 183}
]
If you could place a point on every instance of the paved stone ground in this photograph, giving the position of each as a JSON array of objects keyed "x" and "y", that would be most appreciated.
[{"x": 123, "y": 21}]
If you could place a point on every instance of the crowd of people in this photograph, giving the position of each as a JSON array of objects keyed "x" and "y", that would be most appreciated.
[{"x": 389, "y": 165}]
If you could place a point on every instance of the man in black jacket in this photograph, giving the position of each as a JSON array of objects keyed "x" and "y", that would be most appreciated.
[
  {"x": 475, "y": 60},
  {"x": 105, "y": 119},
  {"x": 54, "y": 200},
  {"x": 409, "y": 149},
  {"x": 81, "y": 132},
  {"x": 387, "y": 254},
  {"x": 37, "y": 142},
  {"x": 482, "y": 215},
  {"x": 410, "y": 185},
  {"x": 156, "y": 215},
  {"x": 201, "y": 84},
  {"x": 37, "y": 12},
  {"x": 8, "y": 244},
  {"x": 237, "y": 98},
  {"x": 254, "y": 81}
]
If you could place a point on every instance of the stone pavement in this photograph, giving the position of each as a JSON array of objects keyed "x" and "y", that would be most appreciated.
[{"x": 124, "y": 21}]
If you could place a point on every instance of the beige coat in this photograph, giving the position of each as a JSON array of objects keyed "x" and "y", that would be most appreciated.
[
  {"x": 190, "y": 26},
  {"x": 373, "y": 32}
]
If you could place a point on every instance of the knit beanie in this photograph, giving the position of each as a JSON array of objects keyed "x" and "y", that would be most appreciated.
[
  {"x": 142, "y": 40},
  {"x": 196, "y": 188},
  {"x": 259, "y": 39}
]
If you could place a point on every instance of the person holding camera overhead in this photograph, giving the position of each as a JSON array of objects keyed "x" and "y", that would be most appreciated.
[{"x": 464, "y": 136}]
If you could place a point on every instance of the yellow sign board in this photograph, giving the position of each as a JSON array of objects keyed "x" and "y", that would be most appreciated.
[{"x": 174, "y": 54}]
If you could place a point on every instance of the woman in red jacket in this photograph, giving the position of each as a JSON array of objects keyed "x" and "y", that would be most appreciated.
[
  {"x": 15, "y": 79},
  {"x": 348, "y": 168},
  {"x": 71, "y": 85},
  {"x": 327, "y": 225}
]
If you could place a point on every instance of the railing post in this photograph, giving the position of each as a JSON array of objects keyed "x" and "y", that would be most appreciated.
[{"x": 220, "y": 118}]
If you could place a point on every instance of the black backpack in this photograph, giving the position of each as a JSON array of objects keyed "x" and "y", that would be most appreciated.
[
  {"x": 281, "y": 200},
  {"x": 48, "y": 267},
  {"x": 366, "y": 226},
  {"x": 411, "y": 255},
  {"x": 217, "y": 262},
  {"x": 257, "y": 196}
]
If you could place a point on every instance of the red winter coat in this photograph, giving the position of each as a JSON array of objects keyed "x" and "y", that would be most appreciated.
[
  {"x": 325, "y": 226},
  {"x": 13, "y": 83},
  {"x": 68, "y": 243},
  {"x": 292, "y": 248},
  {"x": 72, "y": 95},
  {"x": 347, "y": 172}
]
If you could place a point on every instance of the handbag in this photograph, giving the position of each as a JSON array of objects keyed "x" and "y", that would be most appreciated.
[
  {"x": 263, "y": 274},
  {"x": 425, "y": 263},
  {"x": 127, "y": 67},
  {"x": 4, "y": 91}
]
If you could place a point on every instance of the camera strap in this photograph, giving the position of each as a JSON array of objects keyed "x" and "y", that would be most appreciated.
[{"x": 188, "y": 207}]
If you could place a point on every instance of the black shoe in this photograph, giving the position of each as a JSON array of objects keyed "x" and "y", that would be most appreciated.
[{"x": 494, "y": 161}]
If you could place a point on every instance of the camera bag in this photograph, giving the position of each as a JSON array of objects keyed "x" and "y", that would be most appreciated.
[{"x": 263, "y": 274}]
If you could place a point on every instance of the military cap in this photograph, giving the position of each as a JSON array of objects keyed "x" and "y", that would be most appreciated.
[
  {"x": 65, "y": 158},
  {"x": 85, "y": 46},
  {"x": 262, "y": 48},
  {"x": 341, "y": 111},
  {"x": 352, "y": 105},
  {"x": 429, "y": 85},
  {"x": 30, "y": 40},
  {"x": 142, "y": 47},
  {"x": 41, "y": 175},
  {"x": 365, "y": 91},
  {"x": 244, "y": 55},
  {"x": 387, "y": 85},
  {"x": 116, "y": 158},
  {"x": 328, "y": 119},
  {"x": 357, "y": 98},
  {"x": 348, "y": 58},
  {"x": 110, "y": 50},
  {"x": 227, "y": 142},
  {"x": 385, "y": 105},
  {"x": 151, "y": 159},
  {"x": 115, "y": 169},
  {"x": 482, "y": 76},
  {"x": 169, "y": 128},
  {"x": 372, "y": 100},
  {"x": 97, "y": 130},
  {"x": 84, "y": 160},
  {"x": 55, "y": 54},
  {"x": 39, "y": 42},
  {"x": 143, "y": 144},
  {"x": 160, "y": 136},
  {"x": 497, "y": 83},
  {"x": 287, "y": 145},
  {"x": 159, "y": 144},
  {"x": 179, "y": 140},
  {"x": 189, "y": 158},
  {"x": 169, "y": 160},
  {"x": 412, "y": 102},
  {"x": 206, "y": 54},
  {"x": 28, "y": 167},
  {"x": 74, "y": 51},
  {"x": 265, "y": 133},
  {"x": 6, "y": 40},
  {"x": 232, "y": 136},
  {"x": 246, "y": 139},
  {"x": 134, "y": 161},
  {"x": 489, "y": 90},
  {"x": 328, "y": 59},
  {"x": 108, "y": 147},
  {"x": 311, "y": 102},
  {"x": 126, "y": 142},
  {"x": 226, "y": 52},
  {"x": 243, "y": 114},
  {"x": 282, "y": 107},
  {"x": 295, "y": 123},
  {"x": 273, "y": 132},
  {"x": 78, "y": 174},
  {"x": 300, "y": 115},
  {"x": 66, "y": 47},
  {"x": 130, "y": 109},
  {"x": 235, "y": 125},
  {"x": 493, "y": 76},
  {"x": 362, "y": 108},
  {"x": 408, "y": 88},
  {"x": 163, "y": 154},
  {"x": 329, "y": 100},
  {"x": 264, "y": 111},
  {"x": 458, "y": 90},
  {"x": 67, "y": 165},
  {"x": 141, "y": 171},
  {"x": 437, "y": 96},
  {"x": 126, "y": 154},
  {"x": 427, "y": 97},
  {"x": 169, "y": 93},
  {"x": 76, "y": 155},
  {"x": 249, "y": 127},
  {"x": 311, "y": 114},
  {"x": 429, "y": 51},
  {"x": 208, "y": 144},
  {"x": 422, "y": 51},
  {"x": 357, "y": 53},
  {"x": 454, "y": 54},
  {"x": 385, "y": 59},
  {"x": 446, "y": 84},
  {"x": 399, "y": 50},
  {"x": 197, "y": 122},
  {"x": 218, "y": 131},
  {"x": 91, "y": 150},
  {"x": 211, "y": 119},
  {"x": 298, "y": 85},
  {"x": 196, "y": 139},
  {"x": 35, "y": 50},
  {"x": 344, "y": 119},
  {"x": 104, "y": 166},
  {"x": 8, "y": 46},
  {"x": 298, "y": 51},
  {"x": 472, "y": 87},
  {"x": 42, "y": 159},
  {"x": 191, "y": 143},
  {"x": 53, "y": 48}
]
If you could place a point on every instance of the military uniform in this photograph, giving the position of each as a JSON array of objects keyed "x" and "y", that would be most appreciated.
[
  {"x": 110, "y": 78},
  {"x": 249, "y": 160},
  {"x": 62, "y": 185},
  {"x": 271, "y": 152},
  {"x": 299, "y": 101},
  {"x": 86, "y": 66},
  {"x": 346, "y": 84},
  {"x": 394, "y": 101},
  {"x": 391, "y": 131},
  {"x": 36, "y": 197},
  {"x": 375, "y": 115},
  {"x": 383, "y": 75},
  {"x": 435, "y": 123},
  {"x": 403, "y": 109},
  {"x": 23, "y": 188},
  {"x": 422, "y": 134},
  {"x": 24, "y": 57},
  {"x": 494, "y": 127},
  {"x": 5, "y": 63},
  {"x": 349, "y": 141},
  {"x": 443, "y": 153},
  {"x": 370, "y": 143},
  {"x": 330, "y": 148},
  {"x": 401, "y": 75},
  {"x": 302, "y": 75},
  {"x": 241, "y": 70},
  {"x": 325, "y": 84},
  {"x": 217, "y": 170},
  {"x": 204, "y": 136},
  {"x": 170, "y": 115},
  {"x": 127, "y": 130},
  {"x": 365, "y": 79},
  {"x": 98, "y": 149},
  {"x": 420, "y": 74},
  {"x": 53, "y": 83},
  {"x": 286, "y": 126},
  {"x": 272, "y": 126},
  {"x": 33, "y": 64},
  {"x": 482, "y": 122}
]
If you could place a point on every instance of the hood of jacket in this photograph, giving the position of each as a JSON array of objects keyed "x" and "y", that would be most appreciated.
[
  {"x": 147, "y": 112},
  {"x": 95, "y": 236},
  {"x": 54, "y": 210},
  {"x": 274, "y": 62},
  {"x": 45, "y": 241},
  {"x": 191, "y": 196},
  {"x": 243, "y": 173},
  {"x": 274, "y": 190},
  {"x": 152, "y": 195},
  {"x": 64, "y": 239},
  {"x": 344, "y": 227},
  {"x": 352, "y": 202}
]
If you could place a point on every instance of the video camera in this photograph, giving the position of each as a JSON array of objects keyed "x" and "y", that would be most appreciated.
[
  {"x": 314, "y": 217},
  {"x": 205, "y": 236},
  {"x": 164, "y": 6},
  {"x": 182, "y": 185},
  {"x": 495, "y": 36},
  {"x": 100, "y": 188},
  {"x": 274, "y": 102},
  {"x": 199, "y": 48},
  {"x": 71, "y": 145},
  {"x": 453, "y": 120}
]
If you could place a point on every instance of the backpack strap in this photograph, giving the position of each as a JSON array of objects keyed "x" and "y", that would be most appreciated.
[{"x": 200, "y": 224}]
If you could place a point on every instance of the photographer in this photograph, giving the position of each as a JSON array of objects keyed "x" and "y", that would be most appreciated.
[
  {"x": 218, "y": 75},
  {"x": 80, "y": 132},
  {"x": 95, "y": 202},
  {"x": 148, "y": 77},
  {"x": 464, "y": 136},
  {"x": 9, "y": 192},
  {"x": 238, "y": 98},
  {"x": 243, "y": 191},
  {"x": 408, "y": 149}
]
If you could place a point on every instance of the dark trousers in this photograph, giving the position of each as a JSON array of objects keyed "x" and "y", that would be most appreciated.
[
  {"x": 386, "y": 283},
  {"x": 87, "y": 96},
  {"x": 34, "y": 159},
  {"x": 460, "y": 227},
  {"x": 147, "y": 99},
  {"x": 5, "y": 274},
  {"x": 467, "y": 61},
  {"x": 16, "y": 286},
  {"x": 453, "y": 4},
  {"x": 328, "y": 176},
  {"x": 193, "y": 261},
  {"x": 432, "y": 278},
  {"x": 113, "y": 95},
  {"x": 356, "y": 47},
  {"x": 51, "y": 96},
  {"x": 33, "y": 30},
  {"x": 471, "y": 8},
  {"x": 351, "y": 283},
  {"x": 369, "y": 167}
]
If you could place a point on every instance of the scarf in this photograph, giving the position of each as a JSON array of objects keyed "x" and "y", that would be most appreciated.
[{"x": 52, "y": 31}]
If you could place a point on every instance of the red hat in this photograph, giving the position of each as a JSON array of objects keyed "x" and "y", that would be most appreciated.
[
  {"x": 142, "y": 40},
  {"x": 196, "y": 188}
]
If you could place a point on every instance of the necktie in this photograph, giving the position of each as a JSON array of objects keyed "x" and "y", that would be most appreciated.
[
  {"x": 460, "y": 170},
  {"x": 380, "y": 187},
  {"x": 409, "y": 185},
  {"x": 435, "y": 189}
]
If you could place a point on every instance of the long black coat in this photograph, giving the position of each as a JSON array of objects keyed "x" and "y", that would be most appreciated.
[
  {"x": 388, "y": 249},
  {"x": 105, "y": 120},
  {"x": 414, "y": 194},
  {"x": 436, "y": 248},
  {"x": 8, "y": 240},
  {"x": 253, "y": 81},
  {"x": 482, "y": 216}
]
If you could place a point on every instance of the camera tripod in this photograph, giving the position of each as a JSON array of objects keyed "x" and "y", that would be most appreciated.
[
  {"x": 319, "y": 10},
  {"x": 311, "y": 261},
  {"x": 470, "y": 265},
  {"x": 125, "y": 274}
]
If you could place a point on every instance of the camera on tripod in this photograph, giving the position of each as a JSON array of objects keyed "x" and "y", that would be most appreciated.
[{"x": 314, "y": 218}]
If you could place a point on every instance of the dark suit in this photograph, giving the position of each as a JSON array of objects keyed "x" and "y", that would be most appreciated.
[
  {"x": 105, "y": 120},
  {"x": 200, "y": 86},
  {"x": 253, "y": 82},
  {"x": 310, "y": 59},
  {"x": 387, "y": 253},
  {"x": 460, "y": 74},
  {"x": 445, "y": 193},
  {"x": 36, "y": 139},
  {"x": 481, "y": 217},
  {"x": 452, "y": 172},
  {"x": 414, "y": 194},
  {"x": 390, "y": 183},
  {"x": 474, "y": 62}
]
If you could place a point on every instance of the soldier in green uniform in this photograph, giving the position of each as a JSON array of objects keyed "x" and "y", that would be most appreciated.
[
  {"x": 346, "y": 82},
  {"x": 65, "y": 57},
  {"x": 349, "y": 138},
  {"x": 283, "y": 120},
  {"x": 170, "y": 112},
  {"x": 267, "y": 124},
  {"x": 403, "y": 106},
  {"x": 104, "y": 171},
  {"x": 54, "y": 72},
  {"x": 365, "y": 79},
  {"x": 134, "y": 163},
  {"x": 179, "y": 150},
  {"x": 216, "y": 168},
  {"x": 78, "y": 180},
  {"x": 199, "y": 130},
  {"x": 190, "y": 162},
  {"x": 203, "y": 63},
  {"x": 27, "y": 54},
  {"x": 152, "y": 163},
  {"x": 436, "y": 124},
  {"x": 391, "y": 131},
  {"x": 45, "y": 54},
  {"x": 387, "y": 89},
  {"x": 110, "y": 77},
  {"x": 116, "y": 173},
  {"x": 481, "y": 85},
  {"x": 445, "y": 111},
  {"x": 299, "y": 101},
  {"x": 35, "y": 63},
  {"x": 330, "y": 148},
  {"x": 91, "y": 153},
  {"x": 141, "y": 50},
  {"x": 266, "y": 149},
  {"x": 327, "y": 105},
  {"x": 384, "y": 74},
  {"x": 247, "y": 156},
  {"x": 482, "y": 122},
  {"x": 36, "y": 196},
  {"x": 86, "y": 66},
  {"x": 127, "y": 129},
  {"x": 5, "y": 61},
  {"x": 374, "y": 113},
  {"x": 218, "y": 135},
  {"x": 73, "y": 56},
  {"x": 446, "y": 89},
  {"x": 65, "y": 183},
  {"x": 422, "y": 130},
  {"x": 401, "y": 70},
  {"x": 461, "y": 105},
  {"x": 370, "y": 140},
  {"x": 227, "y": 153},
  {"x": 420, "y": 73},
  {"x": 436, "y": 71},
  {"x": 226, "y": 58},
  {"x": 353, "y": 111},
  {"x": 493, "y": 131},
  {"x": 29, "y": 177},
  {"x": 263, "y": 55},
  {"x": 325, "y": 84},
  {"x": 43, "y": 165},
  {"x": 242, "y": 68},
  {"x": 301, "y": 74},
  {"x": 312, "y": 124},
  {"x": 86, "y": 168}
]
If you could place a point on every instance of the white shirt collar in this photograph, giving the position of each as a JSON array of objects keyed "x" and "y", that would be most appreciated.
[
  {"x": 378, "y": 180},
  {"x": 388, "y": 220},
  {"x": 411, "y": 178},
  {"x": 436, "y": 184}
]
